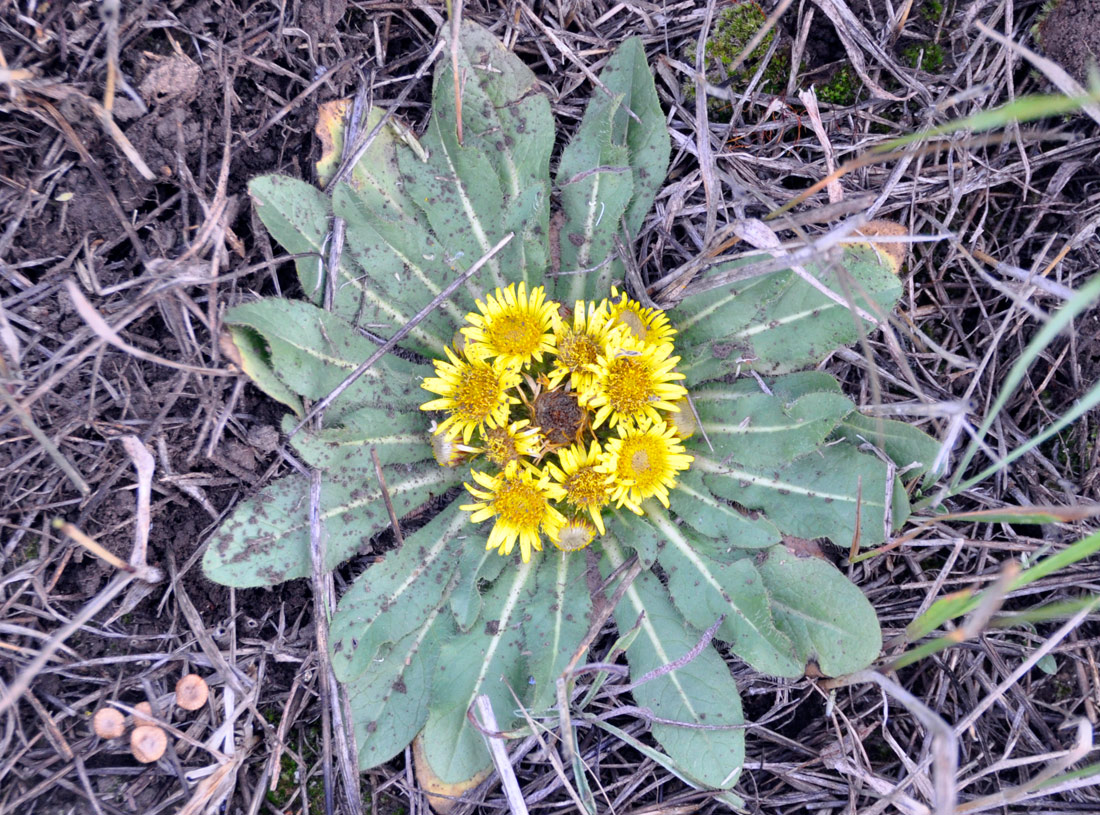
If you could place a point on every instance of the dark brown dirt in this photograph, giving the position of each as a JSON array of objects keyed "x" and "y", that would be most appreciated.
[{"x": 1070, "y": 35}]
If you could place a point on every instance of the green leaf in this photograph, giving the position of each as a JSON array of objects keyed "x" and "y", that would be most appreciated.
[
  {"x": 392, "y": 265},
  {"x": 725, "y": 527},
  {"x": 777, "y": 322},
  {"x": 746, "y": 425},
  {"x": 816, "y": 495},
  {"x": 697, "y": 695},
  {"x": 596, "y": 184},
  {"x": 297, "y": 215},
  {"x": 398, "y": 437},
  {"x": 389, "y": 702},
  {"x": 266, "y": 540},
  {"x": 258, "y": 366},
  {"x": 611, "y": 171},
  {"x": 791, "y": 386},
  {"x": 507, "y": 118},
  {"x": 555, "y": 622},
  {"x": 904, "y": 444},
  {"x": 488, "y": 659},
  {"x": 628, "y": 73},
  {"x": 312, "y": 351},
  {"x": 705, "y": 590},
  {"x": 478, "y": 566},
  {"x": 392, "y": 597},
  {"x": 825, "y": 615},
  {"x": 637, "y": 533},
  {"x": 496, "y": 180}
]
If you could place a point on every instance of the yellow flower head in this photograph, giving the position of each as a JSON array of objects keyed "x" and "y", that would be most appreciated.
[
  {"x": 632, "y": 384},
  {"x": 503, "y": 444},
  {"x": 643, "y": 462},
  {"x": 513, "y": 328},
  {"x": 591, "y": 336},
  {"x": 584, "y": 485},
  {"x": 644, "y": 326},
  {"x": 520, "y": 499},
  {"x": 475, "y": 393},
  {"x": 575, "y": 535},
  {"x": 606, "y": 411}
]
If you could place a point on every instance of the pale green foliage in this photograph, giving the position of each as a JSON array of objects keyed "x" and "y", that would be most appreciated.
[{"x": 438, "y": 621}]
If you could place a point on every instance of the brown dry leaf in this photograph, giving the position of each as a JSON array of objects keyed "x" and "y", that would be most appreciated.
[{"x": 442, "y": 797}]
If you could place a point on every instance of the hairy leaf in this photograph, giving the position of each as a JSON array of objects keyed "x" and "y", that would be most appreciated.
[
  {"x": 825, "y": 615},
  {"x": 816, "y": 495},
  {"x": 777, "y": 322},
  {"x": 488, "y": 659},
  {"x": 636, "y": 533},
  {"x": 697, "y": 701},
  {"x": 479, "y": 566},
  {"x": 397, "y": 437},
  {"x": 297, "y": 215},
  {"x": 392, "y": 597},
  {"x": 495, "y": 178},
  {"x": 555, "y": 622},
  {"x": 705, "y": 590},
  {"x": 610, "y": 172},
  {"x": 266, "y": 540},
  {"x": 312, "y": 351},
  {"x": 907, "y": 446},
  {"x": 790, "y": 387},
  {"x": 744, "y": 424},
  {"x": 389, "y": 701},
  {"x": 726, "y": 529}
]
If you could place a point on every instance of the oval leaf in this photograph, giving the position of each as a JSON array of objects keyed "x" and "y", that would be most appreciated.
[
  {"x": 489, "y": 659},
  {"x": 825, "y": 615},
  {"x": 389, "y": 599},
  {"x": 816, "y": 495},
  {"x": 555, "y": 622},
  {"x": 777, "y": 322},
  {"x": 706, "y": 590},
  {"x": 696, "y": 692}
]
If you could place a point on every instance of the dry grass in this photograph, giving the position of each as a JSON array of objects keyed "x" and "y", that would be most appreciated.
[{"x": 125, "y": 146}]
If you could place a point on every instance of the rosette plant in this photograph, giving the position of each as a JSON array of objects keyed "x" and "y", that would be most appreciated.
[{"x": 703, "y": 570}]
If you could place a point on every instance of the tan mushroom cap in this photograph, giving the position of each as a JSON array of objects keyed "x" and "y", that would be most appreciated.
[
  {"x": 108, "y": 723},
  {"x": 144, "y": 714},
  {"x": 148, "y": 743},
  {"x": 192, "y": 692}
]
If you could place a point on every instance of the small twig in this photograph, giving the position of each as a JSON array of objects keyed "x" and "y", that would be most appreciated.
[
  {"x": 678, "y": 663},
  {"x": 455, "y": 7},
  {"x": 108, "y": 335},
  {"x": 499, "y": 755},
  {"x": 144, "y": 464},
  {"x": 944, "y": 748},
  {"x": 320, "y": 627},
  {"x": 73, "y": 532},
  {"x": 1024, "y": 791},
  {"x": 386, "y": 497}
]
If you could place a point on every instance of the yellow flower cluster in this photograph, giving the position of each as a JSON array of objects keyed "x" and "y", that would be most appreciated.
[{"x": 575, "y": 412}]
